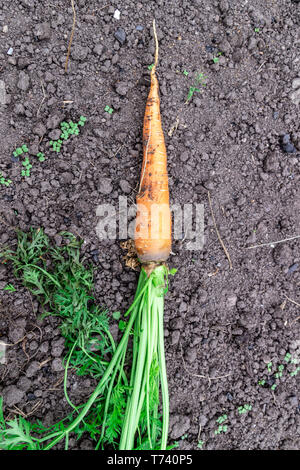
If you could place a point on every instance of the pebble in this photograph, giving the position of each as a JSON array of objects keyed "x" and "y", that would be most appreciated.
[
  {"x": 139, "y": 27},
  {"x": 57, "y": 365},
  {"x": 79, "y": 52},
  {"x": 10, "y": 51},
  {"x": 55, "y": 134},
  {"x": 12, "y": 395},
  {"x": 24, "y": 384},
  {"x": 32, "y": 369},
  {"x": 180, "y": 427},
  {"x": 295, "y": 96},
  {"x": 5, "y": 28},
  {"x": 105, "y": 186},
  {"x": 122, "y": 88},
  {"x": 23, "y": 82},
  {"x": 287, "y": 145},
  {"x": 125, "y": 186},
  {"x": 43, "y": 31},
  {"x": 117, "y": 14},
  {"x": 293, "y": 268},
  {"x": 120, "y": 35},
  {"x": 98, "y": 49},
  {"x": 271, "y": 163},
  {"x": 39, "y": 129}
]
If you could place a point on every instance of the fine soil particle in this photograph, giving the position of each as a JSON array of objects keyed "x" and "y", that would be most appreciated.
[{"x": 230, "y": 139}]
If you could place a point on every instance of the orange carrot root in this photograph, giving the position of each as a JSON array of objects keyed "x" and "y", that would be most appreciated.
[{"x": 153, "y": 221}]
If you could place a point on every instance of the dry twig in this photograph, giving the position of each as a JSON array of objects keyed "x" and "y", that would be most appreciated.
[
  {"x": 71, "y": 37},
  {"x": 217, "y": 231}
]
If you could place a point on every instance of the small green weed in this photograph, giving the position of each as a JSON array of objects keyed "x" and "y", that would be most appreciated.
[
  {"x": 108, "y": 109},
  {"x": 244, "y": 409},
  {"x": 199, "y": 81},
  {"x": 5, "y": 182}
]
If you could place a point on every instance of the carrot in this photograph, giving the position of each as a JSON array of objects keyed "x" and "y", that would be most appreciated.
[{"x": 153, "y": 222}]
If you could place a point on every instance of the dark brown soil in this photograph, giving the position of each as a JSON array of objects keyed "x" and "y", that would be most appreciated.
[{"x": 223, "y": 326}]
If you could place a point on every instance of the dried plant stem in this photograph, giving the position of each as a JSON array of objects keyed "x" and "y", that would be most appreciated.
[
  {"x": 217, "y": 231},
  {"x": 71, "y": 37}
]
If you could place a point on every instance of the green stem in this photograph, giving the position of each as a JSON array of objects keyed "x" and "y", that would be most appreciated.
[
  {"x": 163, "y": 373},
  {"x": 106, "y": 374}
]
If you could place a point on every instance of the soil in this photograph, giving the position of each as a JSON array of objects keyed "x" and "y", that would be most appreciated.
[{"x": 238, "y": 138}]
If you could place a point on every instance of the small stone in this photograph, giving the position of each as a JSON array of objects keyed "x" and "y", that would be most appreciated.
[
  {"x": 24, "y": 384},
  {"x": 295, "y": 96},
  {"x": 105, "y": 186},
  {"x": 12, "y": 395},
  {"x": 117, "y": 14},
  {"x": 98, "y": 49},
  {"x": 57, "y": 365},
  {"x": 10, "y": 51},
  {"x": 43, "y": 31},
  {"x": 23, "y": 82},
  {"x": 120, "y": 35},
  {"x": 184, "y": 157},
  {"x": 237, "y": 55},
  {"x": 55, "y": 134},
  {"x": 122, "y": 88},
  {"x": 180, "y": 427},
  {"x": 231, "y": 301},
  {"x": 66, "y": 178},
  {"x": 39, "y": 129},
  {"x": 191, "y": 355},
  {"x": 79, "y": 52},
  {"x": 57, "y": 347},
  {"x": 271, "y": 163},
  {"x": 125, "y": 186},
  {"x": 296, "y": 83},
  {"x": 139, "y": 27},
  {"x": 5, "y": 28},
  {"x": 32, "y": 369},
  {"x": 293, "y": 268},
  {"x": 176, "y": 323}
]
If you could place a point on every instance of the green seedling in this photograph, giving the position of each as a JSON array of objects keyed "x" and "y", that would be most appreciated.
[
  {"x": 269, "y": 366},
  {"x": 185, "y": 73},
  {"x": 221, "y": 429},
  {"x": 27, "y": 167},
  {"x": 295, "y": 372},
  {"x": 200, "y": 444},
  {"x": 24, "y": 148},
  {"x": 82, "y": 121},
  {"x": 273, "y": 387},
  {"x": 41, "y": 156},
  {"x": 150, "y": 67},
  {"x": 261, "y": 382},
  {"x": 200, "y": 81},
  {"x": 278, "y": 374},
  {"x": 5, "y": 182},
  {"x": 256, "y": 30},
  {"x": 216, "y": 59},
  {"x": 287, "y": 357},
  {"x": 221, "y": 419},
  {"x": 108, "y": 109},
  {"x": 10, "y": 288},
  {"x": 244, "y": 409}
]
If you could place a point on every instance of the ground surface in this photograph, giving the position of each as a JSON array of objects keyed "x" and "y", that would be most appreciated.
[{"x": 223, "y": 326}]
